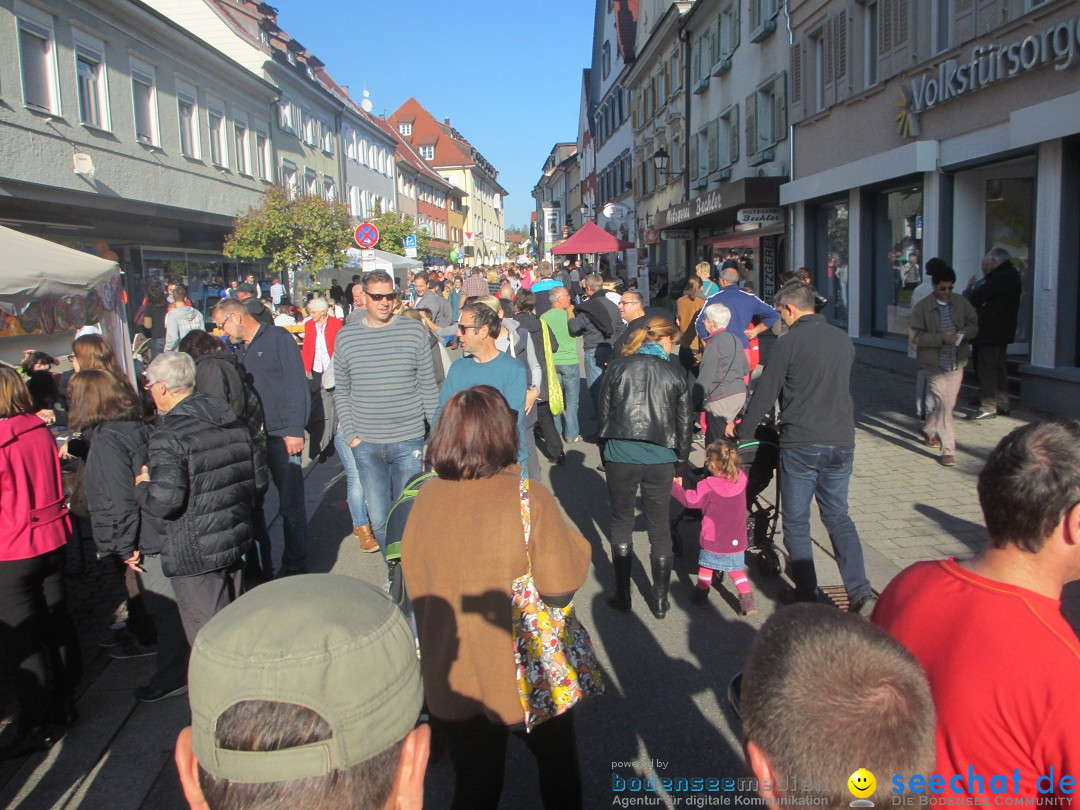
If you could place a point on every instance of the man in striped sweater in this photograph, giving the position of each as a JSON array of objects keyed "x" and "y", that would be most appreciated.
[{"x": 385, "y": 395}]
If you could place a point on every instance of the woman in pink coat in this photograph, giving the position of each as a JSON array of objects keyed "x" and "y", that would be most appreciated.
[{"x": 36, "y": 633}]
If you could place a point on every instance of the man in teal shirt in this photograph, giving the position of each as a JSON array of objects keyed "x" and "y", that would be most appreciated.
[
  {"x": 478, "y": 326},
  {"x": 566, "y": 359}
]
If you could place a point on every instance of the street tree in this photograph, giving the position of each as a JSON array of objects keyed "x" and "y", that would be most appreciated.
[
  {"x": 306, "y": 233},
  {"x": 393, "y": 228}
]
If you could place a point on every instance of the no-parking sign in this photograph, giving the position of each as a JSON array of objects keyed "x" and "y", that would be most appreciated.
[{"x": 366, "y": 235}]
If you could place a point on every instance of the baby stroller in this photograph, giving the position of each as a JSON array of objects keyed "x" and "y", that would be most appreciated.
[{"x": 759, "y": 458}]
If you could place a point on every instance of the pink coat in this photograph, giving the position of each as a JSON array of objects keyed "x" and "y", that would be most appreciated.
[
  {"x": 723, "y": 507},
  {"x": 33, "y": 511}
]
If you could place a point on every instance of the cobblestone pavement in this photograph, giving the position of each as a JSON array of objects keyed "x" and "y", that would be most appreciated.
[{"x": 664, "y": 711}]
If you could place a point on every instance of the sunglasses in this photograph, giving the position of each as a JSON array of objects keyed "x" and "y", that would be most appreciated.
[
  {"x": 391, "y": 296},
  {"x": 461, "y": 327}
]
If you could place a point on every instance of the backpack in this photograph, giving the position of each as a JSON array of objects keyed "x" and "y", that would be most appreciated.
[{"x": 395, "y": 530}]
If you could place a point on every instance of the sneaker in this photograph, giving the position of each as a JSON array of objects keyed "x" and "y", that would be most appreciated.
[
  {"x": 746, "y": 604},
  {"x": 947, "y": 460},
  {"x": 574, "y": 440},
  {"x": 981, "y": 415},
  {"x": 931, "y": 441},
  {"x": 131, "y": 650},
  {"x": 120, "y": 625},
  {"x": 863, "y": 605}
]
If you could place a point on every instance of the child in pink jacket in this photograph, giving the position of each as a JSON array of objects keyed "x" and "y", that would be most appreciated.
[{"x": 722, "y": 500}]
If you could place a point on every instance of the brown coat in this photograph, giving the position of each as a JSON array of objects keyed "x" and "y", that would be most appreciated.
[{"x": 463, "y": 547}]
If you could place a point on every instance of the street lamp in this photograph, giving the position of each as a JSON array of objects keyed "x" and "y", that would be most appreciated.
[
  {"x": 660, "y": 161},
  {"x": 586, "y": 212}
]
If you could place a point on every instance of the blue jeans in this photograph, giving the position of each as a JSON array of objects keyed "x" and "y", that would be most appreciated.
[
  {"x": 354, "y": 490},
  {"x": 820, "y": 471},
  {"x": 288, "y": 477},
  {"x": 570, "y": 380},
  {"x": 594, "y": 370},
  {"x": 384, "y": 470}
]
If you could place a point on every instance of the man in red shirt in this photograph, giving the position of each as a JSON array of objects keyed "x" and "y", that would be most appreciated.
[{"x": 1003, "y": 665}]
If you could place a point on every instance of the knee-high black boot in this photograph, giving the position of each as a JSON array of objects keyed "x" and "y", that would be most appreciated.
[
  {"x": 622, "y": 559},
  {"x": 661, "y": 575}
]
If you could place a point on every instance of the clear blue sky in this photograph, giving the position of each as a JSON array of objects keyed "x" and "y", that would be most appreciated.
[{"x": 507, "y": 75}]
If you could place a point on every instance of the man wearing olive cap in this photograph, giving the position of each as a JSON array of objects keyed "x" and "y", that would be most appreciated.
[{"x": 305, "y": 693}]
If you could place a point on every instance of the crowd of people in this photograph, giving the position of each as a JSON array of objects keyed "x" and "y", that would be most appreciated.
[{"x": 306, "y": 690}]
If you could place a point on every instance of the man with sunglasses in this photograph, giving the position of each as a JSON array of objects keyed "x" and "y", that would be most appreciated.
[
  {"x": 270, "y": 355},
  {"x": 385, "y": 395}
]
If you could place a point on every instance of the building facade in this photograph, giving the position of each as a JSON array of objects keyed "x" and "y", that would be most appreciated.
[
  {"x": 940, "y": 129},
  {"x": 737, "y": 146},
  {"x": 122, "y": 129},
  {"x": 459, "y": 164},
  {"x": 552, "y": 195}
]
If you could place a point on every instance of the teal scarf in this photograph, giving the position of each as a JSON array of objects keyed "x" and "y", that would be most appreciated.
[{"x": 655, "y": 349}]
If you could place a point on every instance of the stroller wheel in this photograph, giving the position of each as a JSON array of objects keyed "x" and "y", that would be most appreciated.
[{"x": 769, "y": 563}]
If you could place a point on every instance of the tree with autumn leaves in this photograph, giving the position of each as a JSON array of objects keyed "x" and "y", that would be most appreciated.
[
  {"x": 303, "y": 233},
  {"x": 393, "y": 228}
]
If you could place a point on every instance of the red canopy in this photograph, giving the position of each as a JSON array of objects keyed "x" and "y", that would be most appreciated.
[{"x": 591, "y": 238}]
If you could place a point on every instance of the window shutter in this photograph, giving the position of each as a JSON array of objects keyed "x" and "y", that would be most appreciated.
[
  {"x": 733, "y": 133},
  {"x": 843, "y": 29},
  {"x": 828, "y": 34},
  {"x": 796, "y": 73},
  {"x": 989, "y": 16},
  {"x": 780, "y": 108},
  {"x": 886, "y": 13},
  {"x": 736, "y": 33},
  {"x": 714, "y": 144},
  {"x": 751, "y": 124},
  {"x": 963, "y": 20},
  {"x": 694, "y": 173},
  {"x": 901, "y": 51},
  {"x": 695, "y": 61},
  {"x": 755, "y": 15}
]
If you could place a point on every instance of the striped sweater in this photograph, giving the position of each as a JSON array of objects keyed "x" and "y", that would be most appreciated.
[{"x": 385, "y": 381}]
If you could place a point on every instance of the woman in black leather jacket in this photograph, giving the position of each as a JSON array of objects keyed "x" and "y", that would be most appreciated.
[{"x": 646, "y": 425}]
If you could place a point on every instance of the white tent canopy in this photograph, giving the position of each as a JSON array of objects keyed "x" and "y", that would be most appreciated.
[
  {"x": 37, "y": 270},
  {"x": 34, "y": 268},
  {"x": 383, "y": 261}
]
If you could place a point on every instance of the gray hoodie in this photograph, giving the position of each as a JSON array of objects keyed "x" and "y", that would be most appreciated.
[{"x": 178, "y": 322}]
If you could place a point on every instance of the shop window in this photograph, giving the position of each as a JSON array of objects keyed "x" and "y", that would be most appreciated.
[
  {"x": 1010, "y": 207},
  {"x": 831, "y": 259},
  {"x": 897, "y": 263}
]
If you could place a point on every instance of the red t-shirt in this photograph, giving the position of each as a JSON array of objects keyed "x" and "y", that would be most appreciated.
[{"x": 1004, "y": 669}]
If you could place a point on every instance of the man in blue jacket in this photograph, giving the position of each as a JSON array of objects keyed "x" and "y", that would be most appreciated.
[
  {"x": 743, "y": 308},
  {"x": 270, "y": 355}
]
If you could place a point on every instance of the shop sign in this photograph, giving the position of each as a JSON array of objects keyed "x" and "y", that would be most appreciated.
[
  {"x": 990, "y": 63},
  {"x": 675, "y": 234},
  {"x": 616, "y": 211},
  {"x": 706, "y": 204},
  {"x": 762, "y": 217},
  {"x": 652, "y": 236}
]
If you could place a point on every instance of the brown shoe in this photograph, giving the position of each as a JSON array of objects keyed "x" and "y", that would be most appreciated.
[
  {"x": 931, "y": 441},
  {"x": 368, "y": 543},
  {"x": 947, "y": 461}
]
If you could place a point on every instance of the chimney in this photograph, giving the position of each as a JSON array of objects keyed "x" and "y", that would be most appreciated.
[
  {"x": 345, "y": 89},
  {"x": 446, "y": 121}
]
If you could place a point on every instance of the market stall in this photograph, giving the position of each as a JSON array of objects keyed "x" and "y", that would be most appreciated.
[{"x": 48, "y": 292}]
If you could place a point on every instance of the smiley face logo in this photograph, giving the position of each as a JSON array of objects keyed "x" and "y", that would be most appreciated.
[{"x": 862, "y": 783}]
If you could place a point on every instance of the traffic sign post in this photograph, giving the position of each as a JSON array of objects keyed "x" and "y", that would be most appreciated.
[
  {"x": 366, "y": 235},
  {"x": 409, "y": 241},
  {"x": 367, "y": 260}
]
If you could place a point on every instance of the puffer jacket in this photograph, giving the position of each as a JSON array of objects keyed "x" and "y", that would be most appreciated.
[
  {"x": 219, "y": 375},
  {"x": 644, "y": 398},
  {"x": 205, "y": 474},
  {"x": 118, "y": 451}
]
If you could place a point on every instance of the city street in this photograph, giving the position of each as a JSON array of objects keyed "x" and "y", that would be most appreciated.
[{"x": 664, "y": 711}]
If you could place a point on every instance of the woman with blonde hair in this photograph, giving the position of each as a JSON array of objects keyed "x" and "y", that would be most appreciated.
[
  {"x": 687, "y": 309},
  {"x": 646, "y": 423}
]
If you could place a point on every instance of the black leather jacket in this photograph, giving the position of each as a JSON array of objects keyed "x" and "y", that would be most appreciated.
[{"x": 644, "y": 398}]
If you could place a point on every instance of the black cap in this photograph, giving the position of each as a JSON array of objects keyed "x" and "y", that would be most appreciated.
[{"x": 246, "y": 288}]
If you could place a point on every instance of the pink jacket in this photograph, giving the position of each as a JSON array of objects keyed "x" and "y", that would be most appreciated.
[
  {"x": 723, "y": 507},
  {"x": 33, "y": 511}
]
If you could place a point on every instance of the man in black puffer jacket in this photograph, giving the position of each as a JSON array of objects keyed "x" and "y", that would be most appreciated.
[{"x": 204, "y": 476}]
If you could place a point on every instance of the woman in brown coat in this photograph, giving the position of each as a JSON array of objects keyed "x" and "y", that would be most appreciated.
[{"x": 462, "y": 548}]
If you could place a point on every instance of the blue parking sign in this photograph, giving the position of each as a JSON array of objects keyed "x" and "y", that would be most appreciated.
[{"x": 409, "y": 240}]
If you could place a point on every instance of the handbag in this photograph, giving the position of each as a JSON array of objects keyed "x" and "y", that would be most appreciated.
[
  {"x": 556, "y": 665},
  {"x": 554, "y": 392}
]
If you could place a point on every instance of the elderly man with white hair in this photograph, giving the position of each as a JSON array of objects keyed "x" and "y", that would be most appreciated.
[
  {"x": 723, "y": 370},
  {"x": 203, "y": 478}
]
